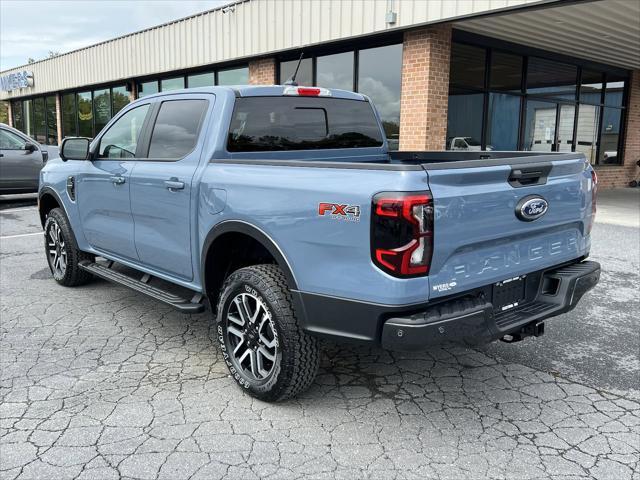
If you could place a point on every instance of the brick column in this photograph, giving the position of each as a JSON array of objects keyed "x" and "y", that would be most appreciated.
[
  {"x": 9, "y": 113},
  {"x": 426, "y": 55},
  {"x": 262, "y": 71},
  {"x": 621, "y": 175},
  {"x": 59, "y": 117}
]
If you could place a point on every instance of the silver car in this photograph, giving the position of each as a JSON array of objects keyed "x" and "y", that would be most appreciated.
[{"x": 21, "y": 159}]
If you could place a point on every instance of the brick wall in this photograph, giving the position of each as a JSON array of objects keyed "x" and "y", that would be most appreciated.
[
  {"x": 621, "y": 175},
  {"x": 425, "y": 88},
  {"x": 262, "y": 72}
]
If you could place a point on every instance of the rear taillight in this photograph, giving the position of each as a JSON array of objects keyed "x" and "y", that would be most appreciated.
[
  {"x": 594, "y": 195},
  {"x": 306, "y": 91},
  {"x": 402, "y": 233}
]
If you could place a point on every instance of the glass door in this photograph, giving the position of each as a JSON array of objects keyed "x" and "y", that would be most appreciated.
[{"x": 565, "y": 128}]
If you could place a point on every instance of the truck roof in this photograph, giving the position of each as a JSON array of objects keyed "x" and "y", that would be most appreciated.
[{"x": 262, "y": 91}]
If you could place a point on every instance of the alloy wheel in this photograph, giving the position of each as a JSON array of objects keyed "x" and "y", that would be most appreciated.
[
  {"x": 251, "y": 336},
  {"x": 57, "y": 250}
]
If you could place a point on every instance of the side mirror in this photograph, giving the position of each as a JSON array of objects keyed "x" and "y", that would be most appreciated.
[
  {"x": 30, "y": 147},
  {"x": 74, "y": 148}
]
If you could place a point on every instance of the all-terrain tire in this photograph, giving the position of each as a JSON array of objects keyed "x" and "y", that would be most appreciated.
[
  {"x": 297, "y": 354},
  {"x": 71, "y": 275}
]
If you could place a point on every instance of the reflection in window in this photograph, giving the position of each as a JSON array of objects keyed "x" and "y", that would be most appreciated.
[
  {"x": 201, "y": 80},
  {"x": 40, "y": 125},
  {"x": 335, "y": 71},
  {"x": 610, "y": 136},
  {"x": 27, "y": 112},
  {"x": 467, "y": 65},
  {"x": 551, "y": 79},
  {"x": 121, "y": 139},
  {"x": 587, "y": 131},
  {"x": 18, "y": 119},
  {"x": 236, "y": 76},
  {"x": 464, "y": 122},
  {"x": 4, "y": 112},
  {"x": 540, "y": 126},
  {"x": 169, "y": 84},
  {"x": 305, "y": 72},
  {"x": 506, "y": 72},
  {"x": 69, "y": 115},
  {"x": 504, "y": 118},
  {"x": 176, "y": 129},
  {"x": 614, "y": 90},
  {"x": 101, "y": 108},
  {"x": 85, "y": 115},
  {"x": 147, "y": 88},
  {"x": 591, "y": 87},
  {"x": 565, "y": 128},
  {"x": 119, "y": 99},
  {"x": 380, "y": 78},
  {"x": 52, "y": 121}
]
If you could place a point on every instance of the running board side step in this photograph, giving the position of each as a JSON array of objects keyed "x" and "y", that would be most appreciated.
[{"x": 181, "y": 304}]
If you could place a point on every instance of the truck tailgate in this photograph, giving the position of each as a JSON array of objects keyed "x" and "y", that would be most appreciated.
[{"x": 479, "y": 238}]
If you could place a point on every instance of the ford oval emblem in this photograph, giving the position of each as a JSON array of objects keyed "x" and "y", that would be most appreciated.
[{"x": 531, "y": 208}]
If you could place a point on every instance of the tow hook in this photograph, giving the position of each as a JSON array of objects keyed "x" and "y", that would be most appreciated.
[{"x": 533, "y": 329}]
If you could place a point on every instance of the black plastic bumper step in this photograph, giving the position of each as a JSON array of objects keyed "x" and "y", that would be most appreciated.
[{"x": 179, "y": 303}]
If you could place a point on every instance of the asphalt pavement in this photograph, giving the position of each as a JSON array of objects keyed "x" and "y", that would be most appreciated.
[{"x": 101, "y": 382}]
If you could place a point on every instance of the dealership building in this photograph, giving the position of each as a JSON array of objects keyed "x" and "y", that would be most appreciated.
[{"x": 542, "y": 75}]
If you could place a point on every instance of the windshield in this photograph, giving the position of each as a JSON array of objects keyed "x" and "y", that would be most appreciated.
[
  {"x": 302, "y": 123},
  {"x": 472, "y": 142}
]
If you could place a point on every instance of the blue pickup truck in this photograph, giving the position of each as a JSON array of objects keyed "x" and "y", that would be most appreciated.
[{"x": 281, "y": 209}]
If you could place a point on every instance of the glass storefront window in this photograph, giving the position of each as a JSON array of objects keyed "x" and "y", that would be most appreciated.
[
  {"x": 614, "y": 90},
  {"x": 4, "y": 112},
  {"x": 101, "y": 108},
  {"x": 69, "y": 115},
  {"x": 506, "y": 72},
  {"x": 587, "y": 131},
  {"x": 335, "y": 71},
  {"x": 201, "y": 80},
  {"x": 540, "y": 126},
  {"x": 52, "y": 121},
  {"x": 39, "y": 123},
  {"x": 380, "y": 78},
  {"x": 467, "y": 66},
  {"x": 610, "y": 136},
  {"x": 119, "y": 99},
  {"x": 565, "y": 128},
  {"x": 18, "y": 118},
  {"x": 547, "y": 78},
  {"x": 305, "y": 72},
  {"x": 236, "y": 76},
  {"x": 503, "y": 121},
  {"x": 27, "y": 112},
  {"x": 85, "y": 115},
  {"x": 169, "y": 84},
  {"x": 464, "y": 122},
  {"x": 591, "y": 87},
  {"x": 147, "y": 88}
]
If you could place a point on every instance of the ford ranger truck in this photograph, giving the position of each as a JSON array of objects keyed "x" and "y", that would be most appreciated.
[{"x": 281, "y": 209}]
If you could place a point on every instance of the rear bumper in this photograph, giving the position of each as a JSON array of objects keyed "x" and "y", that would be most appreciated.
[
  {"x": 469, "y": 317},
  {"x": 472, "y": 319}
]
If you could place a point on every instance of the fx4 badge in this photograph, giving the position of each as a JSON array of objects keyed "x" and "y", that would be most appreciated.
[{"x": 338, "y": 211}]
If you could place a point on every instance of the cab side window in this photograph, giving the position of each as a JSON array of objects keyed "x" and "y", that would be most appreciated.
[
  {"x": 175, "y": 132},
  {"x": 121, "y": 140},
  {"x": 11, "y": 141}
]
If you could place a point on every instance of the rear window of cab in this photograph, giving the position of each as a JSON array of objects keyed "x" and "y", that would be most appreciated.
[{"x": 302, "y": 123}]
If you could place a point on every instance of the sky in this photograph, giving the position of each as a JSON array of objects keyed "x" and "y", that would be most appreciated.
[{"x": 30, "y": 29}]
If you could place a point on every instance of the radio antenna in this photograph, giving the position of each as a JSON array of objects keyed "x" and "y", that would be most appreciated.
[{"x": 292, "y": 79}]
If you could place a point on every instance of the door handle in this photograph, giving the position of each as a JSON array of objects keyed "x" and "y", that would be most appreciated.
[
  {"x": 174, "y": 184},
  {"x": 117, "y": 180}
]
